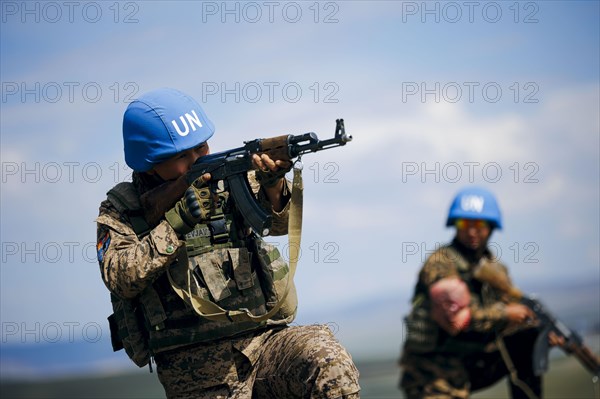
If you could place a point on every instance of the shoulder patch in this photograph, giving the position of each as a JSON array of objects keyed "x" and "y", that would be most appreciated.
[{"x": 102, "y": 246}]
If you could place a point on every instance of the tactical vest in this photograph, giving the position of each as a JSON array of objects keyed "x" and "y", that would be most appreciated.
[
  {"x": 217, "y": 267},
  {"x": 423, "y": 334}
]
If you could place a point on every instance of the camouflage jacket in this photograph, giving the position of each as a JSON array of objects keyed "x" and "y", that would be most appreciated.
[
  {"x": 133, "y": 267},
  {"x": 487, "y": 304},
  {"x": 128, "y": 264}
]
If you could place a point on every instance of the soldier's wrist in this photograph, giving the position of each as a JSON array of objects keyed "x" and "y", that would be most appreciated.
[
  {"x": 270, "y": 179},
  {"x": 177, "y": 223}
]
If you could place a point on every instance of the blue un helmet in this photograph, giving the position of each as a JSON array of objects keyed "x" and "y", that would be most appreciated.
[
  {"x": 160, "y": 124},
  {"x": 475, "y": 203}
]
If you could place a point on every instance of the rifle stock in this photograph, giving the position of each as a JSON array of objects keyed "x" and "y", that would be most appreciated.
[{"x": 160, "y": 199}]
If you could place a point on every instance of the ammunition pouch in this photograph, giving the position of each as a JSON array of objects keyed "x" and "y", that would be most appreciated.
[
  {"x": 227, "y": 285},
  {"x": 127, "y": 330},
  {"x": 275, "y": 274}
]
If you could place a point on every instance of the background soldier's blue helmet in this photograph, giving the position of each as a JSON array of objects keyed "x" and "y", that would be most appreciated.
[
  {"x": 475, "y": 203},
  {"x": 160, "y": 124}
]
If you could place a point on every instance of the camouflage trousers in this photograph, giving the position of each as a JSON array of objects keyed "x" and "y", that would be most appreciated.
[
  {"x": 455, "y": 376},
  {"x": 292, "y": 362}
]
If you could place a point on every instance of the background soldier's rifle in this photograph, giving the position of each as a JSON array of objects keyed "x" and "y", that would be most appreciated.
[
  {"x": 573, "y": 343},
  {"x": 231, "y": 167}
]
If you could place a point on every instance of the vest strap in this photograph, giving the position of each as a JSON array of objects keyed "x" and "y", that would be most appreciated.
[
  {"x": 212, "y": 311},
  {"x": 242, "y": 270},
  {"x": 125, "y": 198}
]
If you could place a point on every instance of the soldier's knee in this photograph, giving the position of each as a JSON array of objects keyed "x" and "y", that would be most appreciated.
[
  {"x": 336, "y": 375},
  {"x": 312, "y": 364}
]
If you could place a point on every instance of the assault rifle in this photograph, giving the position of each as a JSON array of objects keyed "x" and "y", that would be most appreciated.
[
  {"x": 231, "y": 167},
  {"x": 490, "y": 273},
  {"x": 573, "y": 342}
]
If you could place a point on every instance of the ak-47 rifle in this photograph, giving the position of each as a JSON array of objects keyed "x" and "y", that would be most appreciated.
[
  {"x": 231, "y": 167},
  {"x": 573, "y": 343}
]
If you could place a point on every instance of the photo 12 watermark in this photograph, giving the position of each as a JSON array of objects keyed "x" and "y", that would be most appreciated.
[
  {"x": 50, "y": 252},
  {"x": 75, "y": 172},
  {"x": 324, "y": 172},
  {"x": 452, "y": 12},
  {"x": 74, "y": 252},
  {"x": 65, "y": 172},
  {"x": 514, "y": 252},
  {"x": 54, "y": 12},
  {"x": 68, "y": 91},
  {"x": 317, "y": 251},
  {"x": 270, "y": 92},
  {"x": 253, "y": 12},
  {"x": 470, "y": 92},
  {"x": 51, "y": 332},
  {"x": 470, "y": 172}
]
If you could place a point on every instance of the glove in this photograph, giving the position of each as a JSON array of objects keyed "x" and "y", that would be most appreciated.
[{"x": 194, "y": 207}]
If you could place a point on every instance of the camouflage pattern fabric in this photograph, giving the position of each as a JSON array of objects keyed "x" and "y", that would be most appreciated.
[
  {"x": 129, "y": 265},
  {"x": 436, "y": 365},
  {"x": 292, "y": 362},
  {"x": 446, "y": 376},
  {"x": 433, "y": 377}
]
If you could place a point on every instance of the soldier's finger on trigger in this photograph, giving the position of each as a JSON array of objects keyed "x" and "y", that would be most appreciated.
[{"x": 199, "y": 182}]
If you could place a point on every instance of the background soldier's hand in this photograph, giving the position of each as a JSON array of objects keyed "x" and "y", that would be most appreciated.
[
  {"x": 193, "y": 208},
  {"x": 555, "y": 340},
  {"x": 517, "y": 313}
]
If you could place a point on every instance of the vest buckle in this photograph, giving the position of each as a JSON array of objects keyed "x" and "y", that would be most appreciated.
[{"x": 218, "y": 230}]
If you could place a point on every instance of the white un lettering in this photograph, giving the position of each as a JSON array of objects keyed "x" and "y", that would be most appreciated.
[
  {"x": 472, "y": 203},
  {"x": 193, "y": 122}
]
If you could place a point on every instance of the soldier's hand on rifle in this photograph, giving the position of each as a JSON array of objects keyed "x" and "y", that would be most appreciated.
[
  {"x": 193, "y": 208},
  {"x": 555, "y": 340},
  {"x": 269, "y": 171},
  {"x": 270, "y": 174},
  {"x": 517, "y": 313}
]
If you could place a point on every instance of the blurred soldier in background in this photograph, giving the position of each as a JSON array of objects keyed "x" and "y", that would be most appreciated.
[{"x": 464, "y": 334}]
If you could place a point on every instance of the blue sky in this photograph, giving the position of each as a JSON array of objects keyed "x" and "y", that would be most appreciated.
[{"x": 509, "y": 101}]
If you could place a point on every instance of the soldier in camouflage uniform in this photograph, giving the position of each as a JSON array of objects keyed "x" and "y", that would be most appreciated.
[
  {"x": 201, "y": 246},
  {"x": 451, "y": 347}
]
